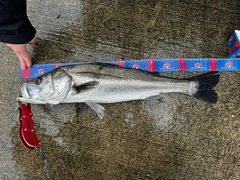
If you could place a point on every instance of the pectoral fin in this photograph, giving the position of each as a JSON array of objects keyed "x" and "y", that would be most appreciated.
[
  {"x": 97, "y": 108},
  {"x": 85, "y": 86}
]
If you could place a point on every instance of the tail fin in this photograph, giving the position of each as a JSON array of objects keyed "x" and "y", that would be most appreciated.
[{"x": 205, "y": 91}]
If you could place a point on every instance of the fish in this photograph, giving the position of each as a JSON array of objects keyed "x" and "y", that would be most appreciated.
[{"x": 99, "y": 83}]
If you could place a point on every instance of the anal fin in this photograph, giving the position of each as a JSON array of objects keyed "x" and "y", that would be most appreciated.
[
  {"x": 156, "y": 99},
  {"x": 97, "y": 108}
]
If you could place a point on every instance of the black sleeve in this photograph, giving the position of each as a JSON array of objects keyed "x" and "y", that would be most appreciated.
[{"x": 15, "y": 27}]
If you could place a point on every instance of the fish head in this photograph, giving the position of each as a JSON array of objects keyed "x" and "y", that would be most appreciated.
[
  {"x": 38, "y": 88},
  {"x": 52, "y": 87}
]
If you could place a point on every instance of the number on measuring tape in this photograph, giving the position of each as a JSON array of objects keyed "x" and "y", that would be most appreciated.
[
  {"x": 182, "y": 64},
  {"x": 213, "y": 64},
  {"x": 151, "y": 65}
]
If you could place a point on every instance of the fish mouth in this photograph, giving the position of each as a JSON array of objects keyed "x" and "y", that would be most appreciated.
[
  {"x": 26, "y": 98},
  {"x": 24, "y": 90}
]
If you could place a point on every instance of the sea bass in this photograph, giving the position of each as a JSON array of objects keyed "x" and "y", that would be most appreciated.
[{"x": 105, "y": 83}]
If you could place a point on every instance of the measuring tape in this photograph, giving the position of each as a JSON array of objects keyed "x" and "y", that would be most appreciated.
[
  {"x": 152, "y": 65},
  {"x": 160, "y": 65}
]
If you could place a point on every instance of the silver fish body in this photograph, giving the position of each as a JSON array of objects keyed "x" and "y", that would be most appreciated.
[{"x": 104, "y": 83}]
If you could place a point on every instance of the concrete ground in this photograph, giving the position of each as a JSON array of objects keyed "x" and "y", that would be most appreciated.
[{"x": 180, "y": 138}]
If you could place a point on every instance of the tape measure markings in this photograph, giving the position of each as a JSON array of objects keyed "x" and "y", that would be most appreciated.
[{"x": 152, "y": 65}]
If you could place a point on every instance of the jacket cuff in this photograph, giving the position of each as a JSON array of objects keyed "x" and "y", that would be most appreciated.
[{"x": 23, "y": 36}]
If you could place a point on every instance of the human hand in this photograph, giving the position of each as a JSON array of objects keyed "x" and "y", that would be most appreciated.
[{"x": 22, "y": 53}]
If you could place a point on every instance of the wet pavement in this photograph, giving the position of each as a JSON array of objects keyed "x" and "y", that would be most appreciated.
[{"x": 180, "y": 138}]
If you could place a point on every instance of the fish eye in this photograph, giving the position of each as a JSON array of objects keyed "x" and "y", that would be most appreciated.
[{"x": 37, "y": 81}]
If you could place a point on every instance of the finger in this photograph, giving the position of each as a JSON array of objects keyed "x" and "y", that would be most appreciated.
[
  {"x": 22, "y": 63},
  {"x": 28, "y": 62},
  {"x": 27, "y": 59},
  {"x": 23, "y": 55}
]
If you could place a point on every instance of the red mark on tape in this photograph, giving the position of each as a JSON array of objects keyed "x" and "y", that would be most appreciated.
[
  {"x": 120, "y": 63},
  {"x": 182, "y": 64},
  {"x": 151, "y": 65},
  {"x": 235, "y": 47},
  {"x": 213, "y": 64},
  {"x": 57, "y": 66},
  {"x": 26, "y": 73}
]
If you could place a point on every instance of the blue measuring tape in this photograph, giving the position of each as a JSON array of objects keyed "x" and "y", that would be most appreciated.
[
  {"x": 160, "y": 65},
  {"x": 152, "y": 65}
]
